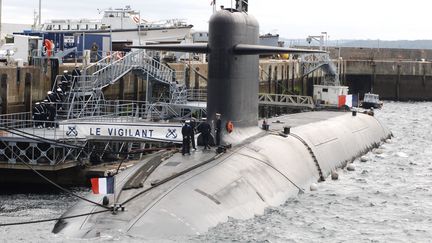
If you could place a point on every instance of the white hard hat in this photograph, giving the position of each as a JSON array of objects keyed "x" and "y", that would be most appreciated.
[
  {"x": 204, "y": 119},
  {"x": 49, "y": 92},
  {"x": 65, "y": 71},
  {"x": 187, "y": 121},
  {"x": 59, "y": 90}
]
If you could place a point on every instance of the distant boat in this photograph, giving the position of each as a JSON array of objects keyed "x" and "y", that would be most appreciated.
[
  {"x": 371, "y": 101},
  {"x": 124, "y": 24}
]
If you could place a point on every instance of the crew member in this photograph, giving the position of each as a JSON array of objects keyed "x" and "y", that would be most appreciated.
[
  {"x": 37, "y": 112},
  {"x": 94, "y": 52},
  {"x": 218, "y": 129},
  {"x": 51, "y": 110},
  {"x": 51, "y": 97},
  {"x": 205, "y": 130},
  {"x": 65, "y": 81},
  {"x": 49, "y": 45},
  {"x": 44, "y": 113},
  {"x": 59, "y": 95},
  {"x": 187, "y": 133}
]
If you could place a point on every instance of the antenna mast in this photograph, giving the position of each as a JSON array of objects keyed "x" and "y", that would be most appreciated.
[
  {"x": 213, "y": 2},
  {"x": 40, "y": 12}
]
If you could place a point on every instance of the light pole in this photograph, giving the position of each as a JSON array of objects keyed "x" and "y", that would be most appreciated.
[{"x": 326, "y": 40}]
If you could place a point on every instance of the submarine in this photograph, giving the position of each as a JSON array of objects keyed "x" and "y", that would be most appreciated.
[{"x": 169, "y": 195}]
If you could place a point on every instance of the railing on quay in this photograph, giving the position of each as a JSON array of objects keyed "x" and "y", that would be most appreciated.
[{"x": 197, "y": 95}]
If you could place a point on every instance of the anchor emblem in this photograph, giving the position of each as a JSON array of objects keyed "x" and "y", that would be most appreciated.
[
  {"x": 171, "y": 133},
  {"x": 72, "y": 131}
]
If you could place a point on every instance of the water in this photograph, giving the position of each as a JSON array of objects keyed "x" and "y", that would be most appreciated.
[{"x": 386, "y": 199}]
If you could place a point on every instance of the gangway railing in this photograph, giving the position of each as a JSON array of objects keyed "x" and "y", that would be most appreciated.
[
  {"x": 292, "y": 101},
  {"x": 197, "y": 95}
]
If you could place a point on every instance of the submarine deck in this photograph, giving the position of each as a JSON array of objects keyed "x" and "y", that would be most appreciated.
[
  {"x": 153, "y": 182},
  {"x": 158, "y": 170}
]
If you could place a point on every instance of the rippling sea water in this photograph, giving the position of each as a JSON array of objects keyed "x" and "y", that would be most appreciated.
[{"x": 388, "y": 198}]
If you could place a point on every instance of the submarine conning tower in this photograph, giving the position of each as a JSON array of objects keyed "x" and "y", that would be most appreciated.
[
  {"x": 233, "y": 68},
  {"x": 233, "y": 78}
]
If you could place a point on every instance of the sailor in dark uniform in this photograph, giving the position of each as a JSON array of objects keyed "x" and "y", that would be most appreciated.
[
  {"x": 187, "y": 133},
  {"x": 51, "y": 97},
  {"x": 37, "y": 112},
  {"x": 65, "y": 81},
  {"x": 205, "y": 130},
  {"x": 51, "y": 110},
  {"x": 59, "y": 95},
  {"x": 44, "y": 113}
]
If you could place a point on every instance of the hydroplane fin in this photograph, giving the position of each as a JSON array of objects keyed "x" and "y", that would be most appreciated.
[
  {"x": 245, "y": 49},
  {"x": 197, "y": 48}
]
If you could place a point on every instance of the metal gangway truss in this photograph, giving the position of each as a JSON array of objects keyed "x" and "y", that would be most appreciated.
[
  {"x": 311, "y": 62},
  {"x": 87, "y": 88},
  {"x": 289, "y": 101}
]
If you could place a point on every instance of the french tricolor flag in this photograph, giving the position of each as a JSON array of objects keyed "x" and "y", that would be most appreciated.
[
  {"x": 103, "y": 185},
  {"x": 347, "y": 100}
]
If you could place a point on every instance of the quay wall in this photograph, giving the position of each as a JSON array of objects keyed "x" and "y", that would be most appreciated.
[{"x": 392, "y": 80}]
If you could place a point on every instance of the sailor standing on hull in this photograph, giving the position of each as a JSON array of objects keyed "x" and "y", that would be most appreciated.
[
  {"x": 205, "y": 130},
  {"x": 187, "y": 134}
]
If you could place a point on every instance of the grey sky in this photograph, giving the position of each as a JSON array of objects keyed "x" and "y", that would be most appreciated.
[{"x": 342, "y": 19}]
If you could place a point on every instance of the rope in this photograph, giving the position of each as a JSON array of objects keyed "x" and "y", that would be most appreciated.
[
  {"x": 60, "y": 187},
  {"x": 53, "y": 219}
]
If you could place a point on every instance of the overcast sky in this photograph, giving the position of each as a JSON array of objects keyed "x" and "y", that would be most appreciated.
[{"x": 341, "y": 19}]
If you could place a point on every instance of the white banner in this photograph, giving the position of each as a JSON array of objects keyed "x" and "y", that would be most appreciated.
[{"x": 149, "y": 131}]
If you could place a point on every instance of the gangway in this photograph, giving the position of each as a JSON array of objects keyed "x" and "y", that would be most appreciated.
[
  {"x": 288, "y": 101},
  {"x": 87, "y": 88},
  {"x": 281, "y": 100},
  {"x": 313, "y": 61}
]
